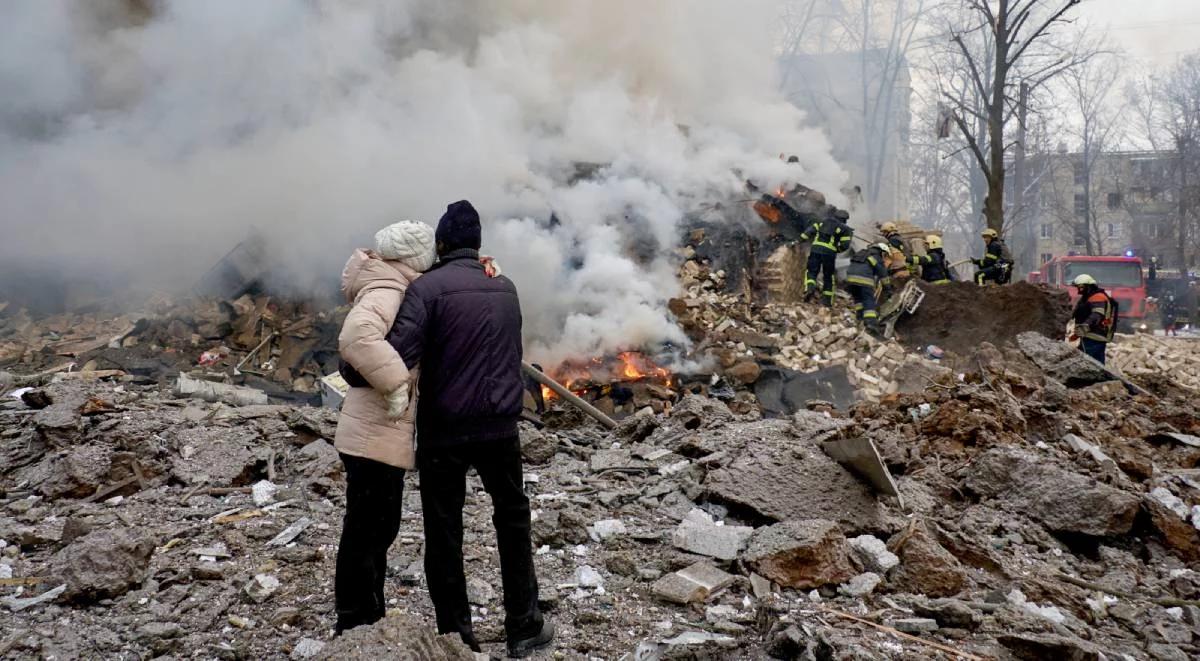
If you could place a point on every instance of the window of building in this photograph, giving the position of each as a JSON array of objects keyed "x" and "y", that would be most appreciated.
[
  {"x": 1046, "y": 257},
  {"x": 1081, "y": 233},
  {"x": 1080, "y": 204},
  {"x": 1114, "y": 200},
  {"x": 1047, "y": 231},
  {"x": 1150, "y": 229},
  {"x": 1113, "y": 230},
  {"x": 1080, "y": 173}
]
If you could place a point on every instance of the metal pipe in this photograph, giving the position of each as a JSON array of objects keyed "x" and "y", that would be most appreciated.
[{"x": 561, "y": 390}]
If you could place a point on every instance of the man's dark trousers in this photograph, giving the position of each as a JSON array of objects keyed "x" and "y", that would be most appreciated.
[
  {"x": 443, "y": 472},
  {"x": 824, "y": 264},
  {"x": 1093, "y": 348},
  {"x": 374, "y": 492}
]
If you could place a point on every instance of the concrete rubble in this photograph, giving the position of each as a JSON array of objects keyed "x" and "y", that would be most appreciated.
[{"x": 1042, "y": 511}]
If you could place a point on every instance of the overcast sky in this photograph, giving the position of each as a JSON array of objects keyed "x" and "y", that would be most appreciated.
[{"x": 1155, "y": 32}]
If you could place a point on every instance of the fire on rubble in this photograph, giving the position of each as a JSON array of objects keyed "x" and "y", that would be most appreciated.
[{"x": 626, "y": 367}]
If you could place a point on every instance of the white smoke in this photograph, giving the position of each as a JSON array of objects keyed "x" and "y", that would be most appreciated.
[{"x": 145, "y": 138}]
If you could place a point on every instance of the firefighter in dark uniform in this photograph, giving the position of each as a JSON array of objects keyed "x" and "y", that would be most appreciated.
[
  {"x": 934, "y": 268},
  {"x": 829, "y": 237},
  {"x": 1095, "y": 317},
  {"x": 891, "y": 234},
  {"x": 996, "y": 263},
  {"x": 867, "y": 274}
]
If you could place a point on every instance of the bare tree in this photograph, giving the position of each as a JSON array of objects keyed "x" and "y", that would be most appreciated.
[
  {"x": 1180, "y": 92},
  {"x": 1096, "y": 122},
  {"x": 1002, "y": 45},
  {"x": 867, "y": 42}
]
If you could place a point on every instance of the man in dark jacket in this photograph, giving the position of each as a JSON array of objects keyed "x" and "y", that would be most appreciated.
[{"x": 463, "y": 329}]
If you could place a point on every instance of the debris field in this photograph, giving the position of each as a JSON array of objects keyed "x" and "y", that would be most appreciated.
[{"x": 1030, "y": 508}]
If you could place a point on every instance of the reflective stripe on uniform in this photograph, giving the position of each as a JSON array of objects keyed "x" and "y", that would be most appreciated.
[
  {"x": 860, "y": 280},
  {"x": 870, "y": 314}
]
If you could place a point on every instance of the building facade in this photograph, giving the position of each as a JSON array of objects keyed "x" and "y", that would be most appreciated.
[{"x": 1115, "y": 203}]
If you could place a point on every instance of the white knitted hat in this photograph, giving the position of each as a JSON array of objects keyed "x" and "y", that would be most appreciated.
[{"x": 409, "y": 242}]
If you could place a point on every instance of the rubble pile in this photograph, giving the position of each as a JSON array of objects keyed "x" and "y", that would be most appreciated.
[
  {"x": 739, "y": 337},
  {"x": 1143, "y": 354},
  {"x": 277, "y": 345},
  {"x": 1033, "y": 520}
]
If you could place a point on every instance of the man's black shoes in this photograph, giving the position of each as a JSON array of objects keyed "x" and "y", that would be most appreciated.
[{"x": 519, "y": 649}]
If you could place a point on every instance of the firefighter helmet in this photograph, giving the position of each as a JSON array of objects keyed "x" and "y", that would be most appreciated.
[
  {"x": 884, "y": 248},
  {"x": 990, "y": 233},
  {"x": 1084, "y": 279},
  {"x": 933, "y": 241},
  {"x": 889, "y": 228}
]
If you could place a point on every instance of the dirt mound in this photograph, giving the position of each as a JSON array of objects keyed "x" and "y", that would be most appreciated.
[{"x": 959, "y": 316}]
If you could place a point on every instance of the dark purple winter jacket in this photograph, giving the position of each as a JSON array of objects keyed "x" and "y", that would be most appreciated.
[{"x": 464, "y": 329}]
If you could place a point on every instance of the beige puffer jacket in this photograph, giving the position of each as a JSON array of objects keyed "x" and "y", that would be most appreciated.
[{"x": 376, "y": 288}]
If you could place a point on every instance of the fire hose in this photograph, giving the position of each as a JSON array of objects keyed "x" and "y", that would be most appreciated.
[{"x": 562, "y": 391}]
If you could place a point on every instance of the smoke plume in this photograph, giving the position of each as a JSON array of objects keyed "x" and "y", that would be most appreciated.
[{"x": 143, "y": 139}]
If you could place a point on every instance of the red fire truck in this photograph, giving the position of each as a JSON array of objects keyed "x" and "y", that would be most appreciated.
[{"x": 1121, "y": 277}]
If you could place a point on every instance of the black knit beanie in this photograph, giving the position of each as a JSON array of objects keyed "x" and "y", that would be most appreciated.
[{"x": 459, "y": 228}]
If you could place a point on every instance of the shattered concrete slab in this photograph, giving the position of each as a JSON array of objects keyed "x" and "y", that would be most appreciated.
[
  {"x": 1058, "y": 498},
  {"x": 781, "y": 478}
]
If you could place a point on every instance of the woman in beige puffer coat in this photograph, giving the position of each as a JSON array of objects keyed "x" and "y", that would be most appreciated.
[{"x": 375, "y": 430}]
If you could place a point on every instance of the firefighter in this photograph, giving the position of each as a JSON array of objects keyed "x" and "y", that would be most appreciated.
[
  {"x": 1170, "y": 311},
  {"x": 934, "y": 268},
  {"x": 891, "y": 234},
  {"x": 865, "y": 277},
  {"x": 996, "y": 263},
  {"x": 829, "y": 237},
  {"x": 1095, "y": 317}
]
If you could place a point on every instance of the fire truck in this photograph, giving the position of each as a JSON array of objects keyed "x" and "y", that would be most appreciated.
[{"x": 1121, "y": 277}]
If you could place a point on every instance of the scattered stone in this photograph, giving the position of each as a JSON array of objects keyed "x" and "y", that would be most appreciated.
[
  {"x": 263, "y": 492},
  {"x": 788, "y": 644},
  {"x": 396, "y": 637},
  {"x": 913, "y": 625},
  {"x": 605, "y": 459},
  {"x": 692, "y": 584},
  {"x": 307, "y": 648},
  {"x": 637, "y": 427},
  {"x": 720, "y": 613},
  {"x": 606, "y": 529},
  {"x": 699, "y": 534},
  {"x": 872, "y": 553},
  {"x": 18, "y": 604},
  {"x": 860, "y": 586},
  {"x": 925, "y": 566},
  {"x": 588, "y": 577},
  {"x": 949, "y": 613},
  {"x": 480, "y": 592},
  {"x": 208, "y": 571},
  {"x": 1170, "y": 516},
  {"x": 103, "y": 564},
  {"x": 537, "y": 447},
  {"x": 262, "y": 587},
  {"x": 800, "y": 554},
  {"x": 760, "y": 586},
  {"x": 157, "y": 630},
  {"x": 1038, "y": 647}
]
